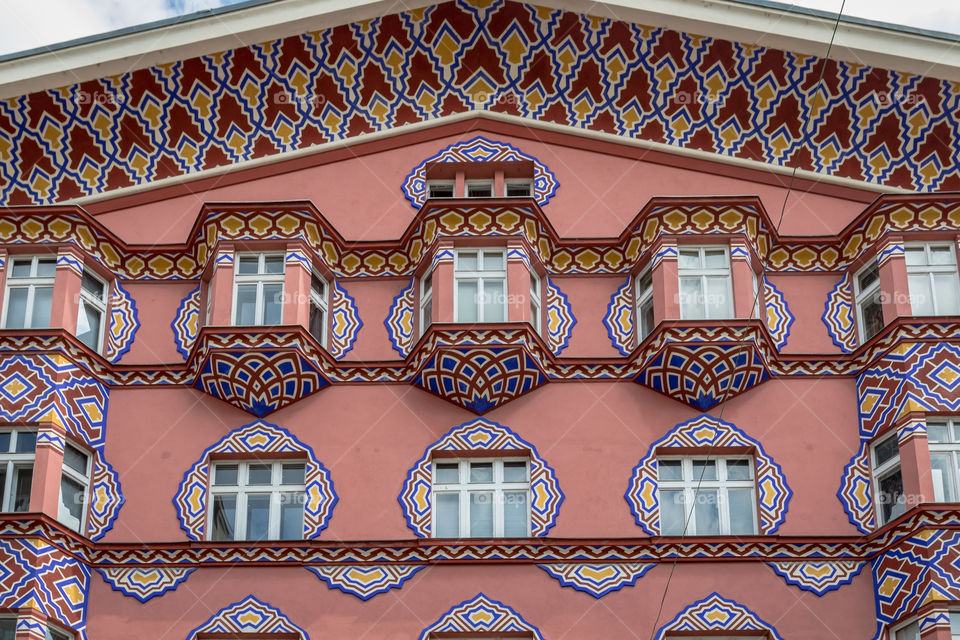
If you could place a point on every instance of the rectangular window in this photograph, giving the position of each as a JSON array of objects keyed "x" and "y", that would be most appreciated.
[
  {"x": 644, "y": 298},
  {"x": 318, "y": 308},
  {"x": 944, "y": 438},
  {"x": 479, "y": 189},
  {"x": 8, "y": 628},
  {"x": 93, "y": 311},
  {"x": 258, "y": 289},
  {"x": 866, "y": 288},
  {"x": 480, "y": 280},
  {"x": 712, "y": 496},
  {"x": 440, "y": 189},
  {"x": 479, "y": 498},
  {"x": 17, "y": 450},
  {"x": 257, "y": 500},
  {"x": 426, "y": 301},
  {"x": 52, "y": 633},
  {"x": 29, "y": 297},
  {"x": 74, "y": 483},
  {"x": 932, "y": 278},
  {"x": 535, "y": 301},
  {"x": 705, "y": 286},
  {"x": 887, "y": 480},
  {"x": 518, "y": 188}
]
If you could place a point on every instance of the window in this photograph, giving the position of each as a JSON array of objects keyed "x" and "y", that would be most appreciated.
[
  {"x": 479, "y": 189},
  {"x": 8, "y": 628},
  {"x": 479, "y": 498},
  {"x": 705, "y": 287},
  {"x": 29, "y": 298},
  {"x": 944, "y": 438},
  {"x": 867, "y": 295},
  {"x": 258, "y": 289},
  {"x": 54, "y": 634},
  {"x": 518, "y": 188},
  {"x": 318, "y": 308},
  {"x": 257, "y": 501},
  {"x": 426, "y": 301},
  {"x": 74, "y": 481},
  {"x": 440, "y": 189},
  {"x": 17, "y": 447},
  {"x": 480, "y": 278},
  {"x": 712, "y": 496},
  {"x": 644, "y": 293},
  {"x": 932, "y": 278},
  {"x": 887, "y": 479},
  {"x": 93, "y": 310},
  {"x": 535, "y": 301}
]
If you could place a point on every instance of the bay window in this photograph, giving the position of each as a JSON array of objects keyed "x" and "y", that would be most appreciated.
[
  {"x": 888, "y": 479},
  {"x": 93, "y": 310},
  {"x": 257, "y": 500},
  {"x": 481, "y": 498},
  {"x": 932, "y": 279},
  {"x": 17, "y": 450},
  {"x": 644, "y": 298},
  {"x": 868, "y": 301},
  {"x": 74, "y": 485},
  {"x": 706, "y": 291},
  {"x": 258, "y": 289},
  {"x": 29, "y": 295},
  {"x": 944, "y": 438},
  {"x": 707, "y": 496},
  {"x": 480, "y": 281}
]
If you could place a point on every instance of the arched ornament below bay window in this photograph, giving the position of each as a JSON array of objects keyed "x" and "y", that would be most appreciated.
[{"x": 716, "y": 615}]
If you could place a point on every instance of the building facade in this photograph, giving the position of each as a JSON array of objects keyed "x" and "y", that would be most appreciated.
[{"x": 482, "y": 320}]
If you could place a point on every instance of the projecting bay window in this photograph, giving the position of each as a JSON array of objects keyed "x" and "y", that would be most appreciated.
[
  {"x": 868, "y": 301},
  {"x": 318, "y": 308},
  {"x": 8, "y": 630},
  {"x": 911, "y": 630},
  {"x": 74, "y": 486},
  {"x": 480, "y": 282},
  {"x": 932, "y": 278},
  {"x": 707, "y": 496},
  {"x": 29, "y": 295},
  {"x": 644, "y": 298},
  {"x": 944, "y": 438},
  {"x": 257, "y": 501},
  {"x": 888, "y": 480},
  {"x": 93, "y": 310},
  {"x": 17, "y": 452},
  {"x": 479, "y": 498},
  {"x": 706, "y": 290},
  {"x": 258, "y": 289}
]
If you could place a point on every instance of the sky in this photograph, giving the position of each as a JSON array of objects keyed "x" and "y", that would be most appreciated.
[{"x": 28, "y": 24}]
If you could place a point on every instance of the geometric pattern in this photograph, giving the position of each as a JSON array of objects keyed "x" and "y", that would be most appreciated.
[
  {"x": 186, "y": 322},
  {"x": 144, "y": 583},
  {"x": 480, "y": 379},
  {"x": 597, "y": 579},
  {"x": 481, "y": 615},
  {"x": 560, "y": 319},
  {"x": 122, "y": 326},
  {"x": 492, "y": 439},
  {"x": 479, "y": 149},
  {"x": 779, "y": 318},
  {"x": 704, "y": 374},
  {"x": 400, "y": 320},
  {"x": 345, "y": 324},
  {"x": 249, "y": 616},
  {"x": 619, "y": 319},
  {"x": 708, "y": 433},
  {"x": 257, "y": 440},
  {"x": 367, "y": 580},
  {"x": 838, "y": 315},
  {"x": 556, "y": 66},
  {"x": 715, "y": 614},
  {"x": 818, "y": 577},
  {"x": 259, "y": 382}
]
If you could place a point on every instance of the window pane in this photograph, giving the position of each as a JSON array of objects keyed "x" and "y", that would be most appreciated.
[
  {"x": 954, "y": 622},
  {"x": 942, "y": 255},
  {"x": 910, "y": 632},
  {"x": 317, "y": 285},
  {"x": 741, "y": 511},
  {"x": 273, "y": 264},
  {"x": 921, "y": 300},
  {"x": 293, "y": 473},
  {"x": 886, "y": 450},
  {"x": 872, "y": 317},
  {"x": 715, "y": 258},
  {"x": 42, "y": 305},
  {"x": 447, "y": 512},
  {"x": 936, "y": 432},
  {"x": 467, "y": 261},
  {"x": 515, "y": 190},
  {"x": 3, "y": 485},
  {"x": 74, "y": 458},
  {"x": 448, "y": 473},
  {"x": 868, "y": 277},
  {"x": 258, "y": 516},
  {"x": 689, "y": 259},
  {"x": 248, "y": 264},
  {"x": 46, "y": 267},
  {"x": 317, "y": 323},
  {"x": 259, "y": 474},
  {"x": 291, "y": 516},
  {"x": 92, "y": 285},
  {"x": 707, "y": 512},
  {"x": 738, "y": 469},
  {"x": 941, "y": 466},
  {"x": 671, "y": 513},
  {"x": 225, "y": 474},
  {"x": 646, "y": 318},
  {"x": 479, "y": 190},
  {"x": 892, "y": 500},
  {"x": 52, "y": 634},
  {"x": 945, "y": 290},
  {"x": 718, "y": 303},
  {"x": 88, "y": 325},
  {"x": 8, "y": 629},
  {"x": 5, "y": 441},
  {"x": 515, "y": 514},
  {"x": 467, "y": 301},
  {"x": 481, "y": 472},
  {"x": 246, "y": 304},
  {"x": 691, "y": 299},
  {"x": 17, "y": 308},
  {"x": 704, "y": 470},
  {"x": 493, "y": 301},
  {"x": 272, "y": 303},
  {"x": 492, "y": 261},
  {"x": 514, "y": 471},
  {"x": 670, "y": 470},
  {"x": 481, "y": 514},
  {"x": 26, "y": 441},
  {"x": 915, "y": 256},
  {"x": 71, "y": 502},
  {"x": 21, "y": 268},
  {"x": 441, "y": 190},
  {"x": 224, "y": 517},
  {"x": 22, "y": 484}
]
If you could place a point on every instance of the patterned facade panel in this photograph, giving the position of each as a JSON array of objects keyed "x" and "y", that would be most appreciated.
[
  {"x": 620, "y": 319},
  {"x": 401, "y": 320},
  {"x": 367, "y": 580},
  {"x": 715, "y": 614},
  {"x": 481, "y": 615},
  {"x": 705, "y": 431},
  {"x": 416, "y": 499},
  {"x": 818, "y": 577},
  {"x": 144, "y": 583},
  {"x": 250, "y": 617},
  {"x": 597, "y": 579},
  {"x": 345, "y": 322},
  {"x": 779, "y": 318},
  {"x": 186, "y": 323},
  {"x": 560, "y": 318},
  {"x": 257, "y": 439},
  {"x": 122, "y": 325},
  {"x": 838, "y": 315},
  {"x": 480, "y": 149}
]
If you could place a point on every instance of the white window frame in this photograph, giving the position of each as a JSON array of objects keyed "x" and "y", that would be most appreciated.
[
  {"x": 464, "y": 488},
  {"x": 243, "y": 489},
  {"x": 951, "y": 448},
  {"x": 536, "y": 309},
  {"x": 101, "y": 305},
  {"x": 515, "y": 182},
  {"x": 883, "y": 470},
  {"x": 482, "y": 184},
  {"x": 31, "y": 283},
  {"x": 480, "y": 277},
  {"x": 643, "y": 295},
  {"x": 860, "y": 297},
  {"x": 12, "y": 461},
  {"x": 704, "y": 274},
  {"x": 320, "y": 301},
  {"x": 691, "y": 483},
  {"x": 260, "y": 278},
  {"x": 451, "y": 184},
  {"x": 932, "y": 269},
  {"x": 425, "y": 308},
  {"x": 83, "y": 479}
]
